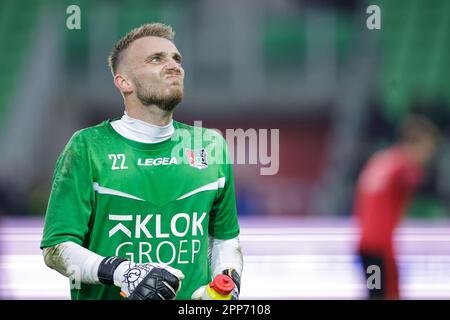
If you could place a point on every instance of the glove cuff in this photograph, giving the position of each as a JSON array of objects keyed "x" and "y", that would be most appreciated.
[{"x": 107, "y": 268}]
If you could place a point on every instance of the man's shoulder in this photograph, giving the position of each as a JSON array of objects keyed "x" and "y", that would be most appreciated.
[
  {"x": 387, "y": 163},
  {"x": 93, "y": 131},
  {"x": 93, "y": 134}
]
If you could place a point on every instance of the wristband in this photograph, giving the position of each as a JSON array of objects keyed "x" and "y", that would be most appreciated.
[{"x": 107, "y": 268}]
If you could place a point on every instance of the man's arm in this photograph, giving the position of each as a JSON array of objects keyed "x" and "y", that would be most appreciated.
[
  {"x": 65, "y": 256},
  {"x": 95, "y": 269},
  {"x": 67, "y": 222},
  {"x": 225, "y": 254},
  {"x": 225, "y": 257}
]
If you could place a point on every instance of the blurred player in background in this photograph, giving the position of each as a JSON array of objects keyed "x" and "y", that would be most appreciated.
[
  {"x": 384, "y": 189},
  {"x": 137, "y": 203}
]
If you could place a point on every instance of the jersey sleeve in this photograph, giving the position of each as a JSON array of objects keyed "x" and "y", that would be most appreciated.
[
  {"x": 223, "y": 223},
  {"x": 70, "y": 205}
]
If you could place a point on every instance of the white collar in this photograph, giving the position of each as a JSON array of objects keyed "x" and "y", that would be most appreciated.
[{"x": 141, "y": 131}]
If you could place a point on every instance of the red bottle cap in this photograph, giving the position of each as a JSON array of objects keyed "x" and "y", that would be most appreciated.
[{"x": 222, "y": 284}]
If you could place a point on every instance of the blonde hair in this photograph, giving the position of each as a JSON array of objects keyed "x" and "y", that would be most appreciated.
[
  {"x": 417, "y": 127},
  {"x": 146, "y": 30}
]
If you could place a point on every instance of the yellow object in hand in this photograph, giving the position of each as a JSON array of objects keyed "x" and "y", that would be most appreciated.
[{"x": 219, "y": 289}]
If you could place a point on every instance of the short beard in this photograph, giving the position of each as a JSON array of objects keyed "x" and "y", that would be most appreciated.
[{"x": 153, "y": 96}]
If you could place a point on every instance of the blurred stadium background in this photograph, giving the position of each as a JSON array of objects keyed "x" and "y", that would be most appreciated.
[{"x": 312, "y": 69}]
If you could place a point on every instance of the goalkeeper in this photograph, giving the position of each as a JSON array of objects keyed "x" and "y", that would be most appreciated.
[{"x": 142, "y": 206}]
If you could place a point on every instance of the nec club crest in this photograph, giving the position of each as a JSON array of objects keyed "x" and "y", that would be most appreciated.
[{"x": 197, "y": 158}]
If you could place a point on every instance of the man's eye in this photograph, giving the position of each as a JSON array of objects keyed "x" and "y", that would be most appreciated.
[{"x": 155, "y": 59}]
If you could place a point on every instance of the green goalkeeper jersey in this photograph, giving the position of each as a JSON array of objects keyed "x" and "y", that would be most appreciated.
[{"x": 144, "y": 202}]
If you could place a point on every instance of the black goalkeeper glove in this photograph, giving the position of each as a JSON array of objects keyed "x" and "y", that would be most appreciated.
[{"x": 149, "y": 281}]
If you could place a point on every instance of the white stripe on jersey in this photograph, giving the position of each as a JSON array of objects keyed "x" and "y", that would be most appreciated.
[
  {"x": 219, "y": 184},
  {"x": 103, "y": 190}
]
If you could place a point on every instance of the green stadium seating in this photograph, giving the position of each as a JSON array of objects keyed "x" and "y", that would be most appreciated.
[
  {"x": 415, "y": 53},
  {"x": 17, "y": 19}
]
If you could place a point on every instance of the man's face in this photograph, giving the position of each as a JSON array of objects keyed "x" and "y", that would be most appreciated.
[{"x": 153, "y": 65}]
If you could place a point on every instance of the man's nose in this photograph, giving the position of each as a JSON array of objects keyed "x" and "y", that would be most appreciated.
[{"x": 173, "y": 65}]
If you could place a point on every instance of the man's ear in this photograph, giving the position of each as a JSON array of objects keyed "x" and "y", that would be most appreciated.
[{"x": 123, "y": 84}]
